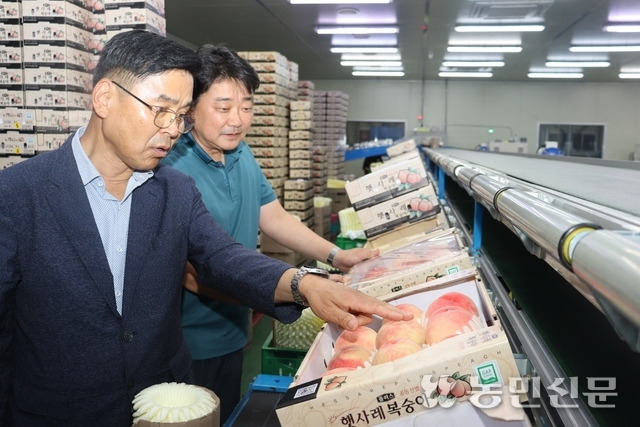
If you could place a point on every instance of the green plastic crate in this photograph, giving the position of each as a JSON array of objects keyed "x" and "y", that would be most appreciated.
[
  {"x": 279, "y": 360},
  {"x": 346, "y": 243}
]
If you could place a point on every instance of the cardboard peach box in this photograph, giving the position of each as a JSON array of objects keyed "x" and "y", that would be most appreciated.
[
  {"x": 407, "y": 386},
  {"x": 401, "y": 147},
  {"x": 406, "y": 208},
  {"x": 387, "y": 182},
  {"x": 412, "y": 230}
]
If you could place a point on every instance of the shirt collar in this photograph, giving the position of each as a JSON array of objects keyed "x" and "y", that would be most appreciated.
[
  {"x": 88, "y": 171},
  {"x": 231, "y": 156}
]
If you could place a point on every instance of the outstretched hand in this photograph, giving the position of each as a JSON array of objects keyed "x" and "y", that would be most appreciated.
[
  {"x": 346, "y": 307},
  {"x": 347, "y": 258}
]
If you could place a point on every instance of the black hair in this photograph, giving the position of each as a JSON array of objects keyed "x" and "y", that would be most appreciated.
[
  {"x": 137, "y": 54},
  {"x": 219, "y": 62}
]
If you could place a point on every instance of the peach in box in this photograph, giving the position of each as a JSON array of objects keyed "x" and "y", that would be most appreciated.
[
  {"x": 449, "y": 321},
  {"x": 395, "y": 349},
  {"x": 452, "y": 298},
  {"x": 364, "y": 336},
  {"x": 401, "y": 329},
  {"x": 351, "y": 356},
  {"x": 411, "y": 308}
]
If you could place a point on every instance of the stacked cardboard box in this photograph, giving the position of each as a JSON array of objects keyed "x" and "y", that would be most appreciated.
[
  {"x": 126, "y": 15},
  {"x": 330, "y": 112},
  {"x": 298, "y": 200},
  {"x": 393, "y": 195},
  {"x": 268, "y": 134},
  {"x": 47, "y": 53},
  {"x": 300, "y": 140}
]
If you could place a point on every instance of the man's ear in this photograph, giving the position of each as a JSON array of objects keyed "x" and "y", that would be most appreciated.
[{"x": 102, "y": 97}]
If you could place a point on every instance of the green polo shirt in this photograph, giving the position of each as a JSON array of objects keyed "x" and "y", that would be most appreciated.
[{"x": 233, "y": 192}]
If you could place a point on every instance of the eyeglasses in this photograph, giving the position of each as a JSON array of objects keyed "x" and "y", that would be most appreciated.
[{"x": 165, "y": 116}]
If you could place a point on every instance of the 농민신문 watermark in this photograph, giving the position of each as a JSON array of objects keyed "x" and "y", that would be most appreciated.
[{"x": 487, "y": 391}]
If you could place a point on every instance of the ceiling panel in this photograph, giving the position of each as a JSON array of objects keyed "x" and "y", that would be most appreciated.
[{"x": 426, "y": 29}]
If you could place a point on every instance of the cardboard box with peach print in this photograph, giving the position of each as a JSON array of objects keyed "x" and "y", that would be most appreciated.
[{"x": 462, "y": 354}]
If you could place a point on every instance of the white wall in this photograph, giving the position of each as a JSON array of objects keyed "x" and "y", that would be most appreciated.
[{"x": 468, "y": 108}]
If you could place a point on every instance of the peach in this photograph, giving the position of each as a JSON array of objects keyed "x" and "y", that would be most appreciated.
[
  {"x": 364, "y": 336},
  {"x": 411, "y": 308},
  {"x": 395, "y": 349},
  {"x": 455, "y": 299},
  {"x": 447, "y": 322},
  {"x": 351, "y": 356},
  {"x": 401, "y": 329}
]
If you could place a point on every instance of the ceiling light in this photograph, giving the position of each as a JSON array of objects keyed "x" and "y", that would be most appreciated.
[
  {"x": 622, "y": 28},
  {"x": 570, "y": 64},
  {"x": 370, "y": 57},
  {"x": 357, "y": 30},
  {"x": 371, "y": 63},
  {"x": 378, "y": 69},
  {"x": 464, "y": 74},
  {"x": 605, "y": 48},
  {"x": 629, "y": 75},
  {"x": 555, "y": 75},
  {"x": 338, "y": 1},
  {"x": 473, "y": 63},
  {"x": 363, "y": 49},
  {"x": 498, "y": 28},
  {"x": 484, "y": 49},
  {"x": 378, "y": 73}
]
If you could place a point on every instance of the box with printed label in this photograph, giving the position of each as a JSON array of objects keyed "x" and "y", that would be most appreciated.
[
  {"x": 401, "y": 147},
  {"x": 50, "y": 141},
  {"x": 10, "y": 55},
  {"x": 387, "y": 182},
  {"x": 409, "y": 231},
  {"x": 131, "y": 18},
  {"x": 441, "y": 372},
  {"x": 17, "y": 143},
  {"x": 409, "y": 207},
  {"x": 11, "y": 77},
  {"x": 10, "y": 10},
  {"x": 17, "y": 119},
  {"x": 11, "y": 98},
  {"x": 298, "y": 184},
  {"x": 10, "y": 32}
]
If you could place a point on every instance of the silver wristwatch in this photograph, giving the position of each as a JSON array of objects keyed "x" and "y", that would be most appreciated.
[{"x": 295, "y": 282}]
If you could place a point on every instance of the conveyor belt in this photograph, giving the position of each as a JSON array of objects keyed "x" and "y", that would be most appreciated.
[{"x": 604, "y": 184}]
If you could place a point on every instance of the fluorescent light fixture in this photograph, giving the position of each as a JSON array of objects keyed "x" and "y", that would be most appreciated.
[
  {"x": 578, "y": 64},
  {"x": 468, "y": 74},
  {"x": 378, "y": 73},
  {"x": 378, "y": 69},
  {"x": 629, "y": 75},
  {"x": 370, "y": 57},
  {"x": 555, "y": 75},
  {"x": 339, "y": 1},
  {"x": 473, "y": 63},
  {"x": 484, "y": 49},
  {"x": 371, "y": 63},
  {"x": 363, "y": 49},
  {"x": 622, "y": 28},
  {"x": 605, "y": 48},
  {"x": 499, "y": 28},
  {"x": 357, "y": 30}
]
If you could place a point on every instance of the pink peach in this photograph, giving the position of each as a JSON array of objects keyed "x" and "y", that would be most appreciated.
[
  {"x": 337, "y": 371},
  {"x": 395, "y": 349},
  {"x": 364, "y": 336},
  {"x": 351, "y": 356},
  {"x": 455, "y": 299},
  {"x": 447, "y": 322},
  {"x": 411, "y": 308},
  {"x": 401, "y": 329}
]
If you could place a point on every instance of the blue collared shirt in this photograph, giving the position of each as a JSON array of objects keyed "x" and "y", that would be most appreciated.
[{"x": 111, "y": 215}]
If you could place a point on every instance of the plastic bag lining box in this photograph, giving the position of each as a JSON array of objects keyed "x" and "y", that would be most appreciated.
[{"x": 404, "y": 387}]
